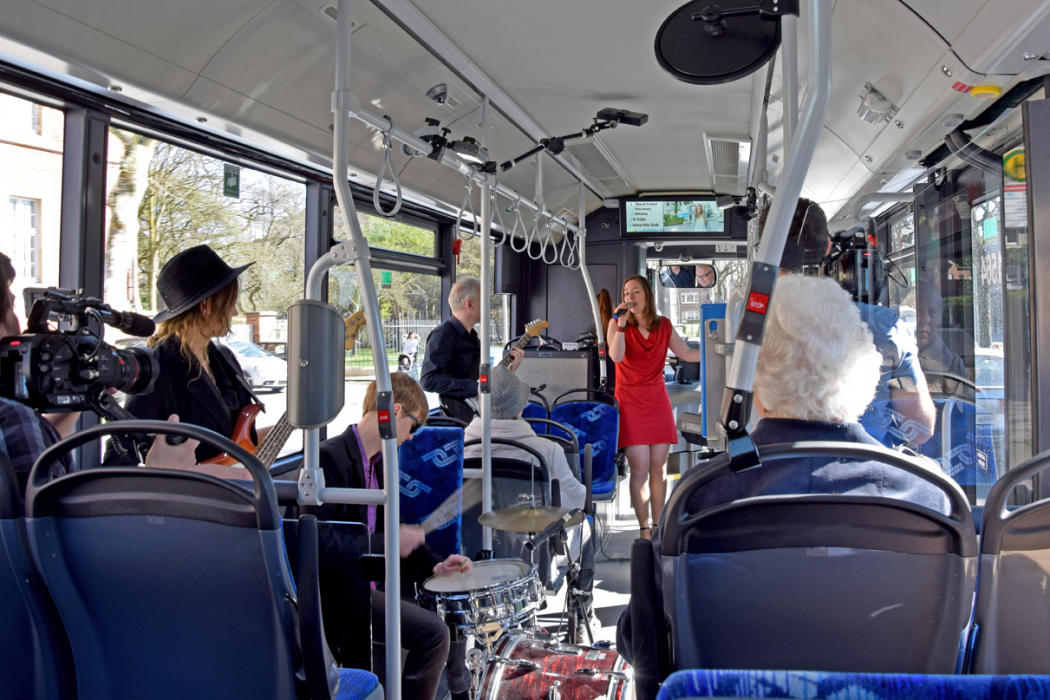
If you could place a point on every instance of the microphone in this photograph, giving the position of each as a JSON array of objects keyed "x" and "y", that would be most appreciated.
[
  {"x": 630, "y": 305},
  {"x": 129, "y": 322},
  {"x": 551, "y": 529}
]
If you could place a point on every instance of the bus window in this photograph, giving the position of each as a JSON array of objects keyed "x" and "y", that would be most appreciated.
[
  {"x": 31, "y": 144},
  {"x": 409, "y": 303},
  {"x": 162, "y": 198},
  {"x": 970, "y": 315}
]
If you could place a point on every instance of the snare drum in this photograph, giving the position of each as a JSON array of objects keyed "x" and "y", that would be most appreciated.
[
  {"x": 495, "y": 595},
  {"x": 526, "y": 668}
]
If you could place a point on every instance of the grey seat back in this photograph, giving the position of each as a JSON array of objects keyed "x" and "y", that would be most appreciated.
[
  {"x": 170, "y": 584},
  {"x": 821, "y": 582},
  {"x": 35, "y": 661},
  {"x": 1012, "y": 621}
]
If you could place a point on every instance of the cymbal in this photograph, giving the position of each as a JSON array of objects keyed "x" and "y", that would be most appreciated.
[{"x": 523, "y": 519}]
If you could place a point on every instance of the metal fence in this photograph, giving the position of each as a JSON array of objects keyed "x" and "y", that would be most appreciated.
[{"x": 394, "y": 335}]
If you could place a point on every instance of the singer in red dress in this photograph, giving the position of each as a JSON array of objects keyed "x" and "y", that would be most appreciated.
[{"x": 638, "y": 344}]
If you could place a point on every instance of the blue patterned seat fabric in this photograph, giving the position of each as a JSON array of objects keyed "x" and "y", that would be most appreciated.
[
  {"x": 355, "y": 684},
  {"x": 597, "y": 424},
  {"x": 815, "y": 685},
  {"x": 431, "y": 471},
  {"x": 971, "y": 460},
  {"x": 534, "y": 410}
]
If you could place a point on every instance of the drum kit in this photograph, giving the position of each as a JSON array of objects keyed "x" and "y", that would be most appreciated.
[{"x": 497, "y": 601}]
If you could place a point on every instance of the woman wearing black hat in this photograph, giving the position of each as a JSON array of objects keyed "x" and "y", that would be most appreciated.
[{"x": 199, "y": 381}]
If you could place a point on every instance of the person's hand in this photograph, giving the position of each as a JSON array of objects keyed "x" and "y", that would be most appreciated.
[
  {"x": 164, "y": 456},
  {"x": 517, "y": 355},
  {"x": 412, "y": 538},
  {"x": 621, "y": 312},
  {"x": 455, "y": 564}
]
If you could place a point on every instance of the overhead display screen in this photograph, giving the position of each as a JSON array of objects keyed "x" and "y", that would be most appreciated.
[{"x": 658, "y": 216}]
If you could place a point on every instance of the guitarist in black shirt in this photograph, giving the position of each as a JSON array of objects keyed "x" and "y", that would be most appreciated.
[{"x": 453, "y": 354}]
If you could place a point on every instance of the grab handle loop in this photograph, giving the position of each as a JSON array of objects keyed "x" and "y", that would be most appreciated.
[
  {"x": 533, "y": 237},
  {"x": 497, "y": 215},
  {"x": 468, "y": 204},
  {"x": 519, "y": 223},
  {"x": 548, "y": 242},
  {"x": 388, "y": 164},
  {"x": 566, "y": 244}
]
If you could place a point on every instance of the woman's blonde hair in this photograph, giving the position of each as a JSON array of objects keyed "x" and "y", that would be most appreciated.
[
  {"x": 223, "y": 305},
  {"x": 651, "y": 317},
  {"x": 817, "y": 361},
  {"x": 407, "y": 392}
]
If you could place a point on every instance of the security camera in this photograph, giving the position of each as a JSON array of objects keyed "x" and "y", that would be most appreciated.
[{"x": 438, "y": 93}]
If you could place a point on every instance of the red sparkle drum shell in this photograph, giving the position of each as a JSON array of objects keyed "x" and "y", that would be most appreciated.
[{"x": 578, "y": 673}]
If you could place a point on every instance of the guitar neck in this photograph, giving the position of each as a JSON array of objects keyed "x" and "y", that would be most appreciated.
[
  {"x": 520, "y": 345},
  {"x": 275, "y": 439}
]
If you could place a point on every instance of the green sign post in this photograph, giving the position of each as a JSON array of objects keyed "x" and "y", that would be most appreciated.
[
  {"x": 231, "y": 180},
  {"x": 386, "y": 279}
]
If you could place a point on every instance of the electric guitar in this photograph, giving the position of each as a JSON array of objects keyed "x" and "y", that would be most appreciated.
[
  {"x": 270, "y": 448},
  {"x": 532, "y": 330}
]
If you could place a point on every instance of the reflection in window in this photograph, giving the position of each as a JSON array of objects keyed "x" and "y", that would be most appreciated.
[
  {"x": 31, "y": 144},
  {"x": 902, "y": 233},
  {"x": 162, "y": 199},
  {"x": 682, "y": 306}
]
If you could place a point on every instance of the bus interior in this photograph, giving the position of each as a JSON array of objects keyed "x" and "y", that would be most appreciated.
[{"x": 364, "y": 155}]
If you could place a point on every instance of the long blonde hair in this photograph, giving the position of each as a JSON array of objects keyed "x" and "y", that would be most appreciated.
[
  {"x": 651, "y": 317},
  {"x": 223, "y": 305}
]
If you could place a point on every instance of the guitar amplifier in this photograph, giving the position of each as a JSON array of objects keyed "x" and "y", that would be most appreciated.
[{"x": 560, "y": 370}]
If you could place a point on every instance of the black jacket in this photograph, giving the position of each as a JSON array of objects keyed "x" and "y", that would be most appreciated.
[
  {"x": 185, "y": 389},
  {"x": 344, "y": 467},
  {"x": 450, "y": 366}
]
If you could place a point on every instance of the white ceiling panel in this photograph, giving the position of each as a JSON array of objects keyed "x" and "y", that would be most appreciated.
[
  {"x": 949, "y": 17},
  {"x": 186, "y": 33}
]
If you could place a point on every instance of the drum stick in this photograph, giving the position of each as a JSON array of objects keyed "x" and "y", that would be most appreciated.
[{"x": 447, "y": 511}]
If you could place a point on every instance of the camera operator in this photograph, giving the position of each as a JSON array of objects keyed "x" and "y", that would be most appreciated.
[
  {"x": 25, "y": 433},
  {"x": 902, "y": 410}
]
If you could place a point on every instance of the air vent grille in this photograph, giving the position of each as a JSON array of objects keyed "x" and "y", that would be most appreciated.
[
  {"x": 728, "y": 156},
  {"x": 593, "y": 160}
]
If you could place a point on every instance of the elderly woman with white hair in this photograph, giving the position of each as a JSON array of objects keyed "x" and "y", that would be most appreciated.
[{"x": 817, "y": 371}]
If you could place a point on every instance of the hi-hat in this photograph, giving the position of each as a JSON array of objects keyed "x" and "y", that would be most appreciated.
[{"x": 523, "y": 519}]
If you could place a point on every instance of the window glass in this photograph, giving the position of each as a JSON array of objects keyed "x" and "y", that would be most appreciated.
[
  {"x": 409, "y": 304},
  {"x": 469, "y": 265},
  {"x": 162, "y": 199},
  {"x": 31, "y": 143},
  {"x": 969, "y": 267}
]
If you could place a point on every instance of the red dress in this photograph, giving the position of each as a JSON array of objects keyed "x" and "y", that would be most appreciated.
[{"x": 646, "y": 417}]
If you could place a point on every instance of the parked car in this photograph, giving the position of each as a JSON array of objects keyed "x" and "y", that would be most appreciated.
[
  {"x": 263, "y": 370},
  {"x": 277, "y": 348}
]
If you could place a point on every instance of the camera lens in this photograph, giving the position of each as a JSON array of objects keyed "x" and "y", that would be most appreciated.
[{"x": 134, "y": 371}]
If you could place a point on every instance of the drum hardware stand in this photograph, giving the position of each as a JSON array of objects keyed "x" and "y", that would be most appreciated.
[{"x": 574, "y": 607}]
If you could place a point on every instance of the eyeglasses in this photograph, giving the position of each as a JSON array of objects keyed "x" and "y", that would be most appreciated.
[{"x": 416, "y": 425}]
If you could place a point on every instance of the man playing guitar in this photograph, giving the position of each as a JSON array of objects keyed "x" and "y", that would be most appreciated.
[{"x": 453, "y": 354}]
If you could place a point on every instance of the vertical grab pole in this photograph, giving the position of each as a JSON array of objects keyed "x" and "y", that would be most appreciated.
[
  {"x": 789, "y": 45},
  {"x": 486, "y": 334},
  {"x": 736, "y": 403},
  {"x": 343, "y": 104},
  {"x": 599, "y": 332}
]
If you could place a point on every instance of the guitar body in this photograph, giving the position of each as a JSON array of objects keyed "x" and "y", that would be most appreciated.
[{"x": 242, "y": 435}]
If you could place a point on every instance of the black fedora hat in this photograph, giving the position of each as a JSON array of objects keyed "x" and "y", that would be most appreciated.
[{"x": 191, "y": 277}]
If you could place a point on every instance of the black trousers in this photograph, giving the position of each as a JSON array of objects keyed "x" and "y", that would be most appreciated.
[{"x": 423, "y": 635}]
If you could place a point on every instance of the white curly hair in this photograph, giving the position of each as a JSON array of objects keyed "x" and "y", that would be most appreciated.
[{"x": 818, "y": 361}]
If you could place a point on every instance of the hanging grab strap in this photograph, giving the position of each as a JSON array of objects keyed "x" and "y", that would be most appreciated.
[
  {"x": 497, "y": 215},
  {"x": 388, "y": 163},
  {"x": 519, "y": 223},
  {"x": 571, "y": 246},
  {"x": 468, "y": 204},
  {"x": 534, "y": 237},
  {"x": 548, "y": 242}
]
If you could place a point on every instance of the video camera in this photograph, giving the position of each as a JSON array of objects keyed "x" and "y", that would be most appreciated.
[
  {"x": 71, "y": 369},
  {"x": 857, "y": 265}
]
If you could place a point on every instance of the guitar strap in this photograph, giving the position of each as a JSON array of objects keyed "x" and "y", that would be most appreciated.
[{"x": 239, "y": 375}]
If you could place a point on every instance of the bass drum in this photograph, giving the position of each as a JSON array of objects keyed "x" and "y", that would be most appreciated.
[{"x": 527, "y": 668}]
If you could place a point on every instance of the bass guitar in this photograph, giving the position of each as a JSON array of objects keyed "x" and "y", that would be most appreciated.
[
  {"x": 532, "y": 330},
  {"x": 270, "y": 448}
]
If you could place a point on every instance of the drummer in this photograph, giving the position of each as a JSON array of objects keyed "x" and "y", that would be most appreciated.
[
  {"x": 509, "y": 395},
  {"x": 354, "y": 460}
]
